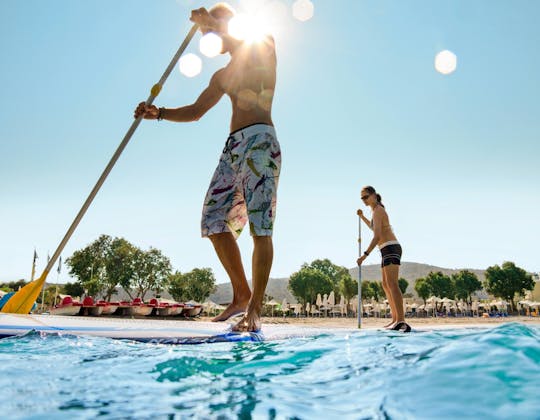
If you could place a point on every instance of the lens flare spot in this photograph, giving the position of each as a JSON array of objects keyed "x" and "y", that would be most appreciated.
[
  {"x": 303, "y": 10},
  {"x": 210, "y": 45},
  {"x": 190, "y": 65},
  {"x": 445, "y": 62},
  {"x": 246, "y": 99},
  {"x": 264, "y": 99}
]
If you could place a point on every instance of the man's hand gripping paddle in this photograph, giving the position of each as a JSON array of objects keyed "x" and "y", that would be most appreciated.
[{"x": 22, "y": 301}]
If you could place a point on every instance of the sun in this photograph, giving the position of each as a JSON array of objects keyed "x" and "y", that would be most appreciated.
[{"x": 248, "y": 28}]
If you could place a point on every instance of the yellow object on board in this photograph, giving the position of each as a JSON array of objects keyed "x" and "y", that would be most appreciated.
[{"x": 23, "y": 300}]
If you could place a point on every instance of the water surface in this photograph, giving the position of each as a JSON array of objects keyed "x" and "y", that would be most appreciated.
[{"x": 461, "y": 373}]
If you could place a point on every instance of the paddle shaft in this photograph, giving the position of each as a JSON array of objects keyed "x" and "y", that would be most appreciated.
[
  {"x": 154, "y": 93},
  {"x": 359, "y": 305}
]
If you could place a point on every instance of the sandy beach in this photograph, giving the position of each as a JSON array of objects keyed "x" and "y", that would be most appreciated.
[{"x": 370, "y": 323}]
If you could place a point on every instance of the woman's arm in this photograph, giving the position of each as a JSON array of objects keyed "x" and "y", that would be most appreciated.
[
  {"x": 377, "y": 229},
  {"x": 364, "y": 218}
]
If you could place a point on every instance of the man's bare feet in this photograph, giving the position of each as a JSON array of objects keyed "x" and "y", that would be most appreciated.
[
  {"x": 231, "y": 310},
  {"x": 248, "y": 323}
]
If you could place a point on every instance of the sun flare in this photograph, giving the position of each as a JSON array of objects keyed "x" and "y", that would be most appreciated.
[{"x": 248, "y": 28}]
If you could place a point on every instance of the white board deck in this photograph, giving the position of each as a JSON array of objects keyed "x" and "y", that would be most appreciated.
[{"x": 147, "y": 330}]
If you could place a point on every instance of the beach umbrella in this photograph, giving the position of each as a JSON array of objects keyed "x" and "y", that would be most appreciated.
[
  {"x": 285, "y": 306},
  {"x": 307, "y": 308},
  {"x": 272, "y": 303},
  {"x": 331, "y": 299},
  {"x": 318, "y": 302},
  {"x": 208, "y": 306},
  {"x": 298, "y": 309},
  {"x": 324, "y": 304}
]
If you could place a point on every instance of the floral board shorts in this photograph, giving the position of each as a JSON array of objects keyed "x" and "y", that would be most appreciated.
[{"x": 244, "y": 185}]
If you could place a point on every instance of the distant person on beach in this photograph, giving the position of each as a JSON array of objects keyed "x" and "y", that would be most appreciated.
[
  {"x": 384, "y": 238},
  {"x": 244, "y": 186}
]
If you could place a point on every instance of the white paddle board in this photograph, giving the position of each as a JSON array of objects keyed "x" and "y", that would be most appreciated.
[{"x": 148, "y": 330}]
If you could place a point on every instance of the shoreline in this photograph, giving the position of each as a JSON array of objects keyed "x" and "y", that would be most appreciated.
[{"x": 370, "y": 323}]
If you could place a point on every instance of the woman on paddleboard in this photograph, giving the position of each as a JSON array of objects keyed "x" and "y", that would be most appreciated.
[{"x": 384, "y": 238}]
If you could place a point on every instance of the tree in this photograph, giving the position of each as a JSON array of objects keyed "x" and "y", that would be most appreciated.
[
  {"x": 308, "y": 282},
  {"x": 422, "y": 288},
  {"x": 440, "y": 285},
  {"x": 151, "y": 271},
  {"x": 72, "y": 289},
  {"x": 13, "y": 286},
  {"x": 507, "y": 281},
  {"x": 348, "y": 287},
  {"x": 88, "y": 265},
  {"x": 93, "y": 287},
  {"x": 372, "y": 290},
  {"x": 333, "y": 271},
  {"x": 466, "y": 283},
  {"x": 403, "y": 284},
  {"x": 118, "y": 265},
  {"x": 48, "y": 294},
  {"x": 196, "y": 285}
]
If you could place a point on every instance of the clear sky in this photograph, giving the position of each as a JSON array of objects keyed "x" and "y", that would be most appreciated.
[{"x": 455, "y": 158}]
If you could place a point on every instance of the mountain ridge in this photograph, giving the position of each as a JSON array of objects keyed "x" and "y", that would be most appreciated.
[{"x": 411, "y": 271}]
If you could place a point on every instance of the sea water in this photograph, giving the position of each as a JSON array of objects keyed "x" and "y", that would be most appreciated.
[{"x": 459, "y": 373}]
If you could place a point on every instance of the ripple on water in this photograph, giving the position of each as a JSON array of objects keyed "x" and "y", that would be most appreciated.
[{"x": 468, "y": 373}]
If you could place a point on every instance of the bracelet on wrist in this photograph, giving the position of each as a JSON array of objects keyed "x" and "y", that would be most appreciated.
[
  {"x": 160, "y": 114},
  {"x": 366, "y": 253}
]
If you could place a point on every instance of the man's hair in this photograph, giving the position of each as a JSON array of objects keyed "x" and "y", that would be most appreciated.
[{"x": 222, "y": 10}]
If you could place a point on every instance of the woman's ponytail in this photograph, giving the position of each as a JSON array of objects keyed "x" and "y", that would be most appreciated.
[{"x": 370, "y": 190}]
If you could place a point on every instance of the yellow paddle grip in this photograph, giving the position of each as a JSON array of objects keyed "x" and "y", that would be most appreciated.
[{"x": 155, "y": 89}]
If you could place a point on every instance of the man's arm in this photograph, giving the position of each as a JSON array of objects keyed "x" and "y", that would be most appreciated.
[{"x": 208, "y": 98}]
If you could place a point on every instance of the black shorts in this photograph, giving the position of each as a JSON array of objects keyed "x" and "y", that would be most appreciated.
[{"x": 391, "y": 254}]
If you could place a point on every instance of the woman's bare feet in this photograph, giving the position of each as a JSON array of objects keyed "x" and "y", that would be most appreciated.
[
  {"x": 390, "y": 325},
  {"x": 231, "y": 310},
  {"x": 248, "y": 323}
]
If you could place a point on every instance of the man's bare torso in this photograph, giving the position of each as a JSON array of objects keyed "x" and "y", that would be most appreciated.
[{"x": 249, "y": 80}]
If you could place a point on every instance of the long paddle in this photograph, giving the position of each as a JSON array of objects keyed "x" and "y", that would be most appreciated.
[
  {"x": 22, "y": 301},
  {"x": 359, "y": 304}
]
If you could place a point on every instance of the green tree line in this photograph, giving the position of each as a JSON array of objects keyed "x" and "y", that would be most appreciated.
[
  {"x": 108, "y": 263},
  {"x": 322, "y": 276}
]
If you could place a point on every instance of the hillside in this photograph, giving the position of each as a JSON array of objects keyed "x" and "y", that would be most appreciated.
[{"x": 277, "y": 288}]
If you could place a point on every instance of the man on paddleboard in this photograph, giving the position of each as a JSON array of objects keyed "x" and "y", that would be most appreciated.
[{"x": 244, "y": 186}]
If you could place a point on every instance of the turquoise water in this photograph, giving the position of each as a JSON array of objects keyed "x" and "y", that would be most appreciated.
[{"x": 461, "y": 373}]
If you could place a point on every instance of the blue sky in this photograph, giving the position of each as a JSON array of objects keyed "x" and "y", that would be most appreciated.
[{"x": 357, "y": 102}]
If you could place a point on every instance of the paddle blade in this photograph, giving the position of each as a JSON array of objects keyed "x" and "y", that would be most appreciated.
[{"x": 22, "y": 301}]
